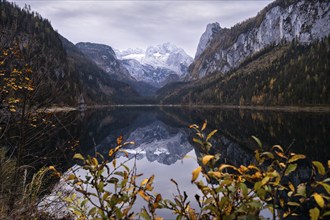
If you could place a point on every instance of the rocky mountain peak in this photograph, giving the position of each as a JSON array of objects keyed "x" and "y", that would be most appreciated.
[
  {"x": 281, "y": 22},
  {"x": 157, "y": 65},
  {"x": 207, "y": 36},
  {"x": 105, "y": 48}
]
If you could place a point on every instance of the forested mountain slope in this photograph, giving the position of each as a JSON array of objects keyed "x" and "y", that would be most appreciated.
[
  {"x": 290, "y": 74},
  {"x": 279, "y": 57},
  {"x": 61, "y": 73}
]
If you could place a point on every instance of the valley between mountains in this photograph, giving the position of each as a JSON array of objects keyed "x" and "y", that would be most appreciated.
[
  {"x": 280, "y": 57},
  {"x": 242, "y": 124}
]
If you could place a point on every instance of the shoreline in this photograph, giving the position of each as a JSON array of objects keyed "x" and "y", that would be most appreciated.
[
  {"x": 319, "y": 109},
  {"x": 247, "y": 107}
]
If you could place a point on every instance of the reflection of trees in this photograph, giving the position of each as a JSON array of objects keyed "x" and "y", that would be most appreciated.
[{"x": 309, "y": 130}]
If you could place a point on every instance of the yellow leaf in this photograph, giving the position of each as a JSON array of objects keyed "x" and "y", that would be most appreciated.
[
  {"x": 105, "y": 195},
  {"x": 143, "y": 195},
  {"x": 193, "y": 126},
  {"x": 325, "y": 186},
  {"x": 206, "y": 159},
  {"x": 243, "y": 168},
  {"x": 314, "y": 213},
  {"x": 78, "y": 156},
  {"x": 224, "y": 166},
  {"x": 197, "y": 141},
  {"x": 204, "y": 125},
  {"x": 293, "y": 204},
  {"x": 257, "y": 175},
  {"x": 71, "y": 177},
  {"x": 296, "y": 157},
  {"x": 278, "y": 147},
  {"x": 291, "y": 187},
  {"x": 214, "y": 174},
  {"x": 195, "y": 173},
  {"x": 144, "y": 181},
  {"x": 292, "y": 167},
  {"x": 282, "y": 165},
  {"x": 265, "y": 180},
  {"x": 52, "y": 168},
  {"x": 320, "y": 167},
  {"x": 253, "y": 167},
  {"x": 257, "y": 140},
  {"x": 319, "y": 199},
  {"x": 94, "y": 161},
  {"x": 211, "y": 134},
  {"x": 228, "y": 209}
]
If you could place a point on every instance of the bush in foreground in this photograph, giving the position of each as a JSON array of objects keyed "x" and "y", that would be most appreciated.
[{"x": 109, "y": 190}]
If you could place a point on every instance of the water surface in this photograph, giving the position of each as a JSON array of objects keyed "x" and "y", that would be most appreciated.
[{"x": 163, "y": 141}]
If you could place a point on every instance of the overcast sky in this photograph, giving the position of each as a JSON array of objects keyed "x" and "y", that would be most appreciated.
[{"x": 126, "y": 24}]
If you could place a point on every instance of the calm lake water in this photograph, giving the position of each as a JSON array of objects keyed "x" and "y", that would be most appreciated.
[{"x": 163, "y": 139}]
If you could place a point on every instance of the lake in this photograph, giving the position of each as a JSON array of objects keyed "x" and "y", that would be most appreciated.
[{"x": 163, "y": 142}]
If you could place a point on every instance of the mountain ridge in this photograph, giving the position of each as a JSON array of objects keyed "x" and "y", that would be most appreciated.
[
  {"x": 279, "y": 57},
  {"x": 157, "y": 65},
  {"x": 281, "y": 21}
]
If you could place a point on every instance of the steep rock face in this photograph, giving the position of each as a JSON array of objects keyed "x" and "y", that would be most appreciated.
[
  {"x": 206, "y": 38},
  {"x": 157, "y": 65},
  {"x": 96, "y": 85},
  {"x": 303, "y": 21},
  {"x": 155, "y": 76},
  {"x": 105, "y": 58}
]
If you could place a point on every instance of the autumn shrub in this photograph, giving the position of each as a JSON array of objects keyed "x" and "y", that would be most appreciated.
[
  {"x": 110, "y": 190},
  {"x": 21, "y": 123}
]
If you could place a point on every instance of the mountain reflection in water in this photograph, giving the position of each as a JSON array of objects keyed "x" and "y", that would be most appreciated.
[
  {"x": 161, "y": 133},
  {"x": 163, "y": 142}
]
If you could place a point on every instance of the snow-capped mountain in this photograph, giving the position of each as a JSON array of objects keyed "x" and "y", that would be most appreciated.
[
  {"x": 157, "y": 65},
  {"x": 105, "y": 58},
  {"x": 159, "y": 142}
]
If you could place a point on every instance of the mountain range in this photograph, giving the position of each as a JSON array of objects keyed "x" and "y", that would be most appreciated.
[
  {"x": 157, "y": 65},
  {"x": 278, "y": 57}
]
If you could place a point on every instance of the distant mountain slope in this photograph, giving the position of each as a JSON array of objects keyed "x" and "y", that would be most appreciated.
[
  {"x": 146, "y": 71},
  {"x": 105, "y": 58},
  {"x": 98, "y": 86},
  {"x": 288, "y": 74},
  {"x": 157, "y": 65},
  {"x": 61, "y": 72},
  {"x": 222, "y": 49}
]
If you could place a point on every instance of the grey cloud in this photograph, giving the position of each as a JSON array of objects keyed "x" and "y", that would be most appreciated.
[{"x": 123, "y": 24}]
